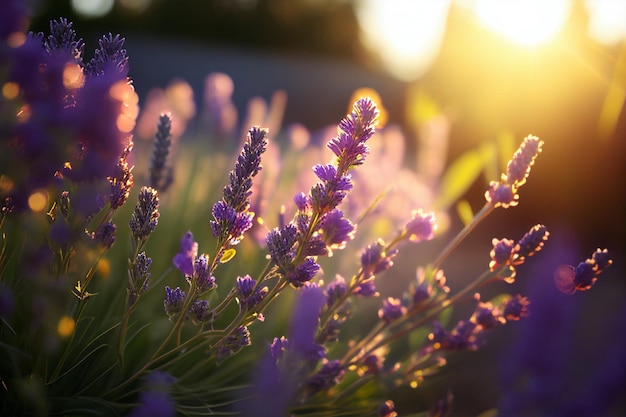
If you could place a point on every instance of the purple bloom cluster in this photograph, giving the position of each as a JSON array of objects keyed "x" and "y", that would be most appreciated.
[
  {"x": 248, "y": 292},
  {"x": 507, "y": 253},
  {"x": 569, "y": 279},
  {"x": 139, "y": 277},
  {"x": 231, "y": 218},
  {"x": 183, "y": 260},
  {"x": 146, "y": 214},
  {"x": 469, "y": 334},
  {"x": 160, "y": 173},
  {"x": 421, "y": 227},
  {"x": 503, "y": 193},
  {"x": 121, "y": 181},
  {"x": 155, "y": 400},
  {"x": 328, "y": 376},
  {"x": 281, "y": 247},
  {"x": 391, "y": 310},
  {"x": 174, "y": 300}
]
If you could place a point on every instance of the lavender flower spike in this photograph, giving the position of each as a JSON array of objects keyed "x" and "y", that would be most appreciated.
[
  {"x": 503, "y": 193},
  {"x": 231, "y": 218},
  {"x": 160, "y": 174},
  {"x": 353, "y": 131},
  {"x": 145, "y": 217}
]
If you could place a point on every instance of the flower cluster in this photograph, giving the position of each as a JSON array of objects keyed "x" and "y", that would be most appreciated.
[{"x": 279, "y": 335}]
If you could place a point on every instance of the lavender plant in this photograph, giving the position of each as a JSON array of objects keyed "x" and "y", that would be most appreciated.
[{"x": 96, "y": 319}]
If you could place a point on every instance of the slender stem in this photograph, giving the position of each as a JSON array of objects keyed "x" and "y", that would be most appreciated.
[{"x": 480, "y": 216}]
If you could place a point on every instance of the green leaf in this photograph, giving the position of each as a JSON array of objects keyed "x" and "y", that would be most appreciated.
[{"x": 458, "y": 178}]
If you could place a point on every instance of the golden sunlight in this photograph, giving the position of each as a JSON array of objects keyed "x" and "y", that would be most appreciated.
[
  {"x": 406, "y": 35},
  {"x": 527, "y": 22}
]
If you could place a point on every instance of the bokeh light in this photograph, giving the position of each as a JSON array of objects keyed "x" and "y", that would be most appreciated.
[
  {"x": 607, "y": 20},
  {"x": 527, "y": 22},
  {"x": 92, "y": 8},
  {"x": 405, "y": 34}
]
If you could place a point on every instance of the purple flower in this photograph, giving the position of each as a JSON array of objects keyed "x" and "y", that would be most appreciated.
[
  {"x": 156, "y": 401},
  {"x": 366, "y": 288},
  {"x": 515, "y": 308},
  {"x": 519, "y": 166},
  {"x": 199, "y": 311},
  {"x": 13, "y": 18},
  {"x": 391, "y": 310},
  {"x": 502, "y": 195},
  {"x": 202, "y": 274},
  {"x": 336, "y": 290},
  {"x": 353, "y": 131},
  {"x": 328, "y": 376},
  {"x": 304, "y": 323},
  {"x": 387, "y": 409},
  {"x": 109, "y": 55},
  {"x": 105, "y": 235},
  {"x": 327, "y": 195},
  {"x": 487, "y": 316},
  {"x": 303, "y": 272},
  {"x": 501, "y": 253},
  {"x": 569, "y": 279},
  {"x": 183, "y": 260},
  {"x": 160, "y": 174},
  {"x": 145, "y": 217},
  {"x": 280, "y": 244},
  {"x": 336, "y": 230},
  {"x": 173, "y": 302},
  {"x": 248, "y": 292},
  {"x": 139, "y": 277},
  {"x": 278, "y": 347},
  {"x": 375, "y": 259},
  {"x": 466, "y": 335},
  {"x": 421, "y": 227},
  {"x": 530, "y": 243},
  {"x": 326, "y": 173},
  {"x": 121, "y": 181},
  {"x": 63, "y": 38},
  {"x": 302, "y": 202}
]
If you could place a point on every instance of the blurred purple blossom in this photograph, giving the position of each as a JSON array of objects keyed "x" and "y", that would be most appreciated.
[{"x": 183, "y": 260}]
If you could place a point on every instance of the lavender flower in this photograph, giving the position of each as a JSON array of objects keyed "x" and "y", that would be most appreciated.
[
  {"x": 391, "y": 310},
  {"x": 375, "y": 259},
  {"x": 503, "y": 193},
  {"x": 336, "y": 290},
  {"x": 105, "y": 235},
  {"x": 487, "y": 316},
  {"x": 421, "y": 227},
  {"x": 145, "y": 217},
  {"x": 109, "y": 55},
  {"x": 139, "y": 277},
  {"x": 530, "y": 243},
  {"x": 328, "y": 376},
  {"x": 569, "y": 279},
  {"x": 160, "y": 174},
  {"x": 199, "y": 311},
  {"x": 366, "y": 288},
  {"x": 156, "y": 400},
  {"x": 248, "y": 292},
  {"x": 183, "y": 260},
  {"x": 202, "y": 277},
  {"x": 501, "y": 253},
  {"x": 353, "y": 131},
  {"x": 305, "y": 322},
  {"x": 278, "y": 347},
  {"x": 63, "y": 38},
  {"x": 336, "y": 230},
  {"x": 173, "y": 302},
  {"x": 387, "y": 409},
  {"x": 121, "y": 181},
  {"x": 466, "y": 335},
  {"x": 515, "y": 308}
]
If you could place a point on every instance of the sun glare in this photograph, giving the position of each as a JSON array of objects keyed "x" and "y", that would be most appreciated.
[
  {"x": 405, "y": 34},
  {"x": 527, "y": 22}
]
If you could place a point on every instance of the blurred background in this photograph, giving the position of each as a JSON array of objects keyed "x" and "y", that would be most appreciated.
[{"x": 493, "y": 69}]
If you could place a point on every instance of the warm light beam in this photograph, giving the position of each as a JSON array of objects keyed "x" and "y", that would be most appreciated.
[
  {"x": 527, "y": 22},
  {"x": 406, "y": 35}
]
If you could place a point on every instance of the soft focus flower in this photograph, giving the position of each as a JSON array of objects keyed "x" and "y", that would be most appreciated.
[
  {"x": 330, "y": 374},
  {"x": 183, "y": 260},
  {"x": 421, "y": 227},
  {"x": 160, "y": 173},
  {"x": 391, "y": 310},
  {"x": 249, "y": 293}
]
